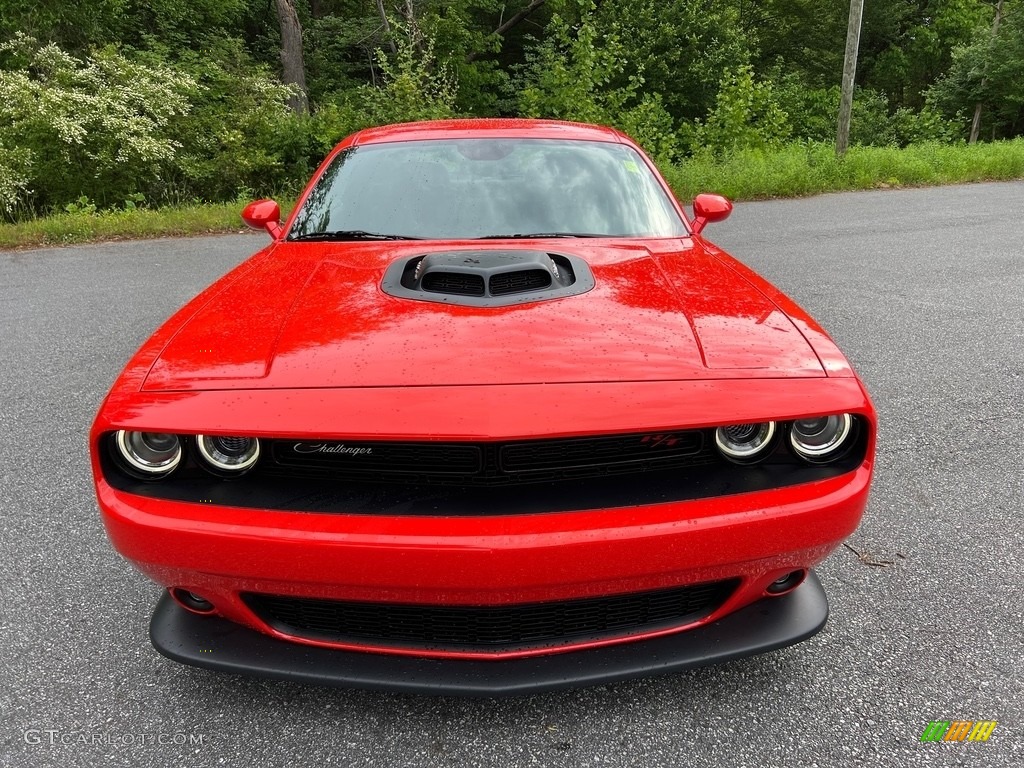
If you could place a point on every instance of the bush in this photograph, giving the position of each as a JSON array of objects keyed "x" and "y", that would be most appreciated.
[
  {"x": 110, "y": 131},
  {"x": 580, "y": 74},
  {"x": 239, "y": 135},
  {"x": 746, "y": 116},
  {"x": 97, "y": 127},
  {"x": 15, "y": 176},
  {"x": 416, "y": 86},
  {"x": 813, "y": 113}
]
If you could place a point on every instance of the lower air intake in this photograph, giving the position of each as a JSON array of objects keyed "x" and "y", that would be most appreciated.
[{"x": 493, "y": 628}]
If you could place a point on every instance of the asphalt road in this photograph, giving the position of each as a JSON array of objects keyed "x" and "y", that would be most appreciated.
[{"x": 923, "y": 289}]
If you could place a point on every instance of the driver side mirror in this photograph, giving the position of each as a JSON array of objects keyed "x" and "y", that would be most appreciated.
[
  {"x": 709, "y": 208},
  {"x": 264, "y": 214}
]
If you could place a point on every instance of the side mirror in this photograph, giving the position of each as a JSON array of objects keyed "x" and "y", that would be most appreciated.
[
  {"x": 264, "y": 214},
  {"x": 708, "y": 208}
]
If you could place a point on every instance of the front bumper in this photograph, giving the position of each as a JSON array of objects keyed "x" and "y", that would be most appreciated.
[
  {"x": 220, "y": 645},
  {"x": 221, "y": 553}
]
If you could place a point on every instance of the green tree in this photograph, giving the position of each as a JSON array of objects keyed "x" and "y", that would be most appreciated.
[
  {"x": 583, "y": 73},
  {"x": 414, "y": 86},
  {"x": 990, "y": 70},
  {"x": 682, "y": 48},
  {"x": 921, "y": 46},
  {"x": 73, "y": 26}
]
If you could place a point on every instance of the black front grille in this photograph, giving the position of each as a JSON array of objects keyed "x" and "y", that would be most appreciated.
[
  {"x": 491, "y": 628},
  {"x": 473, "y": 479},
  {"x": 536, "y": 455},
  {"x": 520, "y": 281},
  {"x": 475, "y": 464},
  {"x": 455, "y": 283}
]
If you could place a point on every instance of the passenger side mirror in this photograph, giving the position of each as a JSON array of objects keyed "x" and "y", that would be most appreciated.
[
  {"x": 264, "y": 214},
  {"x": 708, "y": 208}
]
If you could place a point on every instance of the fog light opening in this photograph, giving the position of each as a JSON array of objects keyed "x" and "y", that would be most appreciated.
[
  {"x": 191, "y": 602},
  {"x": 787, "y": 583}
]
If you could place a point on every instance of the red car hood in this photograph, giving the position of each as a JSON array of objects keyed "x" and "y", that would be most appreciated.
[{"x": 314, "y": 315}]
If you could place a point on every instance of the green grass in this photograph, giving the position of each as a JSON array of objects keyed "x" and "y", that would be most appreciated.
[
  {"x": 69, "y": 228},
  {"x": 809, "y": 169},
  {"x": 793, "y": 171}
]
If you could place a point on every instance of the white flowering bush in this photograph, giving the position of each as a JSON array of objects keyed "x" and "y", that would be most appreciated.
[
  {"x": 94, "y": 127},
  {"x": 15, "y": 175}
]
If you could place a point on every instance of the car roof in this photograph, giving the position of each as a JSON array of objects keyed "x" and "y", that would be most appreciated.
[{"x": 488, "y": 128}]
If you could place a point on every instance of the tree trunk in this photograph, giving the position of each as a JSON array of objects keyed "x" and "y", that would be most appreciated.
[
  {"x": 976, "y": 122},
  {"x": 293, "y": 67},
  {"x": 387, "y": 26}
]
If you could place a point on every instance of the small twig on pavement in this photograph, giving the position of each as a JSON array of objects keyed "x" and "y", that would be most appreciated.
[{"x": 867, "y": 559}]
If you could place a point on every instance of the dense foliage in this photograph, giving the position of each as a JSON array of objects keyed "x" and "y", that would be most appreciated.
[{"x": 112, "y": 104}]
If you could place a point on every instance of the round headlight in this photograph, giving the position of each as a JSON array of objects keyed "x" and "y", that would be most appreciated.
[
  {"x": 822, "y": 438},
  {"x": 228, "y": 454},
  {"x": 745, "y": 443},
  {"x": 151, "y": 454}
]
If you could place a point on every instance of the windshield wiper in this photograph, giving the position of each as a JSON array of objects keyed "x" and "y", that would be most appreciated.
[
  {"x": 524, "y": 235},
  {"x": 342, "y": 235}
]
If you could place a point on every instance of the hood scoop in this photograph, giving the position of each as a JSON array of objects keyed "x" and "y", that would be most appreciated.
[{"x": 490, "y": 278}]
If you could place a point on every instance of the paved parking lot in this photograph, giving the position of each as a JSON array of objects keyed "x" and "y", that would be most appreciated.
[{"x": 923, "y": 289}]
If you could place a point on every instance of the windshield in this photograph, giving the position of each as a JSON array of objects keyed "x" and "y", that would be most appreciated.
[{"x": 479, "y": 188}]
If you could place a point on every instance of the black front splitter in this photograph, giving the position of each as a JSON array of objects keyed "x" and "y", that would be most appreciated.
[{"x": 217, "y": 644}]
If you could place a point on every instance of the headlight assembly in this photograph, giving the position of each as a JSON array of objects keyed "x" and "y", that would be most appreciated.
[
  {"x": 745, "y": 443},
  {"x": 148, "y": 454},
  {"x": 821, "y": 439},
  {"x": 228, "y": 455}
]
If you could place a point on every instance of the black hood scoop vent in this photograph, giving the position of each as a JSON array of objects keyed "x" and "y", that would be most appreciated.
[{"x": 489, "y": 278}]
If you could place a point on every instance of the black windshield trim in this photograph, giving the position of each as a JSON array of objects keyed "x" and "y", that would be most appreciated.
[{"x": 342, "y": 235}]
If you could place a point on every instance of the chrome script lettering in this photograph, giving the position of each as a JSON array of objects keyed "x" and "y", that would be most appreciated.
[{"x": 331, "y": 448}]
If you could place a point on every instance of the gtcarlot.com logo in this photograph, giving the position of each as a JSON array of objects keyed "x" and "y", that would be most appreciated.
[
  {"x": 54, "y": 736},
  {"x": 958, "y": 730}
]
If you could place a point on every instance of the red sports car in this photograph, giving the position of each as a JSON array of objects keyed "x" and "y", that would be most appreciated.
[{"x": 489, "y": 415}]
